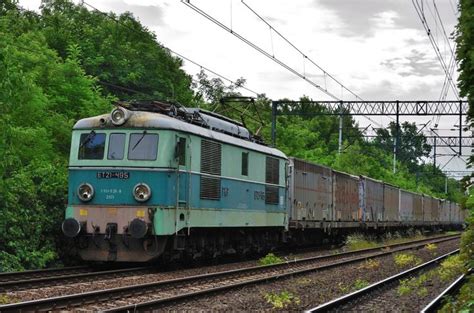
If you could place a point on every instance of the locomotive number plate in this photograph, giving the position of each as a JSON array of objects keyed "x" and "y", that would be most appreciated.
[{"x": 113, "y": 175}]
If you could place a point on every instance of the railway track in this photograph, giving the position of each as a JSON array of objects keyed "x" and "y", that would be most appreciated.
[
  {"x": 451, "y": 290},
  {"x": 38, "y": 274},
  {"x": 162, "y": 292},
  {"x": 368, "y": 296},
  {"x": 67, "y": 275}
]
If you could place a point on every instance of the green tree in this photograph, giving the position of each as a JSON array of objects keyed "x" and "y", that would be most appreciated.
[
  {"x": 465, "y": 58},
  {"x": 118, "y": 50},
  {"x": 41, "y": 96},
  {"x": 411, "y": 147}
]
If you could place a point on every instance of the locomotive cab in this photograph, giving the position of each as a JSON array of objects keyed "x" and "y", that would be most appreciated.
[{"x": 120, "y": 174}]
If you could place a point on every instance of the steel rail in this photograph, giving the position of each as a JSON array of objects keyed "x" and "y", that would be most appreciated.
[
  {"x": 41, "y": 281},
  {"x": 265, "y": 273},
  {"x": 344, "y": 300},
  {"x": 12, "y": 276},
  {"x": 437, "y": 302}
]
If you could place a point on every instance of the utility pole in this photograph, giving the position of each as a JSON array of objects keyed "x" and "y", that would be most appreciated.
[
  {"x": 274, "y": 118},
  {"x": 460, "y": 127},
  {"x": 434, "y": 154},
  {"x": 340, "y": 126},
  {"x": 396, "y": 139},
  {"x": 446, "y": 185}
]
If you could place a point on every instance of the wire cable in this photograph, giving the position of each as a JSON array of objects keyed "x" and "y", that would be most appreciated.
[
  {"x": 258, "y": 48},
  {"x": 267, "y": 54},
  {"x": 301, "y": 52},
  {"x": 420, "y": 12}
]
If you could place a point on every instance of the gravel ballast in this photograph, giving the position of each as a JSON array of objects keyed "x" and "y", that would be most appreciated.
[
  {"x": 73, "y": 288},
  {"x": 308, "y": 290}
]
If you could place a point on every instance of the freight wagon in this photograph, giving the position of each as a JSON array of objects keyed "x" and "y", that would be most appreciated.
[{"x": 346, "y": 202}]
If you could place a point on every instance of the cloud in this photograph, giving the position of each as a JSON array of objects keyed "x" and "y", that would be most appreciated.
[
  {"x": 361, "y": 17},
  {"x": 415, "y": 64},
  {"x": 148, "y": 13}
]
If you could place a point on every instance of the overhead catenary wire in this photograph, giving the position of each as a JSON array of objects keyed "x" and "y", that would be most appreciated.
[
  {"x": 256, "y": 47},
  {"x": 306, "y": 57},
  {"x": 452, "y": 60},
  {"x": 420, "y": 12},
  {"x": 448, "y": 69},
  {"x": 271, "y": 56}
]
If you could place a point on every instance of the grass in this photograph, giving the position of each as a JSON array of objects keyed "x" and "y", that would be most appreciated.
[
  {"x": 415, "y": 284},
  {"x": 451, "y": 268},
  {"x": 360, "y": 283},
  {"x": 406, "y": 259},
  {"x": 370, "y": 264},
  {"x": 303, "y": 281},
  {"x": 448, "y": 270},
  {"x": 4, "y": 299},
  {"x": 281, "y": 300},
  {"x": 431, "y": 247},
  {"x": 361, "y": 241},
  {"x": 270, "y": 259}
]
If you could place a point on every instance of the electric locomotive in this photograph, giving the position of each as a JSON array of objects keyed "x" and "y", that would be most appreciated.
[{"x": 154, "y": 179}]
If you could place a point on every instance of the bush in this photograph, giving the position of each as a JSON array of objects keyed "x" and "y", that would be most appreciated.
[
  {"x": 358, "y": 242},
  {"x": 406, "y": 259},
  {"x": 270, "y": 259},
  {"x": 360, "y": 283},
  {"x": 370, "y": 264},
  {"x": 431, "y": 247},
  {"x": 281, "y": 300},
  {"x": 451, "y": 268}
]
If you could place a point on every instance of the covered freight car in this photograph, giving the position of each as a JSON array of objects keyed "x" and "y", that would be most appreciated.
[
  {"x": 371, "y": 199},
  {"x": 345, "y": 199},
  {"x": 406, "y": 206},
  {"x": 427, "y": 208},
  {"x": 391, "y": 204},
  {"x": 444, "y": 212},
  {"x": 435, "y": 211},
  {"x": 417, "y": 209},
  {"x": 310, "y": 193}
]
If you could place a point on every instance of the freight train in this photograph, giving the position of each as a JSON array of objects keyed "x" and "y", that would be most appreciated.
[{"x": 154, "y": 180}]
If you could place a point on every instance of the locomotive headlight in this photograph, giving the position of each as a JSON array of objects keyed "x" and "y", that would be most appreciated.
[
  {"x": 119, "y": 116},
  {"x": 141, "y": 192},
  {"x": 85, "y": 192}
]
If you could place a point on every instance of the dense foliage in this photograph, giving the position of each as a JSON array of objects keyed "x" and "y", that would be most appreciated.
[
  {"x": 69, "y": 62},
  {"x": 51, "y": 67},
  {"x": 465, "y": 58}
]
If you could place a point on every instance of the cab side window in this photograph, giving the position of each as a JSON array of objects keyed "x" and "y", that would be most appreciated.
[{"x": 245, "y": 164}]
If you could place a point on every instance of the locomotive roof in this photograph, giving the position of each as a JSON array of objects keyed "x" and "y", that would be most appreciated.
[{"x": 142, "y": 119}]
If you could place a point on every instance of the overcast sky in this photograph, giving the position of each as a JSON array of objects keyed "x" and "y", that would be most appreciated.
[{"x": 377, "y": 49}]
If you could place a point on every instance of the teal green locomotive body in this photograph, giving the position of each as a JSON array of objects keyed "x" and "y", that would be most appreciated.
[{"x": 145, "y": 184}]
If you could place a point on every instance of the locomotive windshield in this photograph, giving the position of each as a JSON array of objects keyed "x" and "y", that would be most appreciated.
[
  {"x": 92, "y": 146},
  {"x": 143, "y": 146},
  {"x": 116, "y": 147}
]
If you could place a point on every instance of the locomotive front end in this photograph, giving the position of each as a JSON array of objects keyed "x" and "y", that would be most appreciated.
[{"x": 121, "y": 177}]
